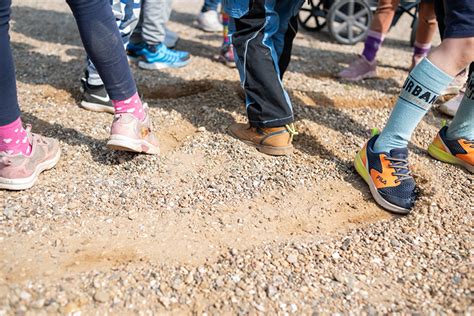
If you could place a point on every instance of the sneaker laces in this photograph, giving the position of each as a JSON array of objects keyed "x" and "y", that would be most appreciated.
[
  {"x": 291, "y": 130},
  {"x": 401, "y": 167},
  {"x": 469, "y": 142}
]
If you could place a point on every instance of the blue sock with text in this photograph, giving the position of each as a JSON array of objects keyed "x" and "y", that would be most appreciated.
[{"x": 421, "y": 89}]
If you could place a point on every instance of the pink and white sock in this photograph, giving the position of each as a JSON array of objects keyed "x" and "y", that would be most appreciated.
[
  {"x": 14, "y": 139},
  {"x": 421, "y": 49},
  {"x": 132, "y": 105}
]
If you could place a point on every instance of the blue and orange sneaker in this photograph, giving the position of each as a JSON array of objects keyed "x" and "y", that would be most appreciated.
[
  {"x": 157, "y": 56},
  {"x": 456, "y": 152},
  {"x": 388, "y": 176}
]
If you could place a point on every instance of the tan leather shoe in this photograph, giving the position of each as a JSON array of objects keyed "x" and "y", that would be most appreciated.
[{"x": 275, "y": 141}]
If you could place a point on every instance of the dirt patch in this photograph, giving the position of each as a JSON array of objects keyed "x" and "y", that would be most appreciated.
[{"x": 175, "y": 91}]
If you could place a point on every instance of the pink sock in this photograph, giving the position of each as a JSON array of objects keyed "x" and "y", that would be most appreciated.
[
  {"x": 14, "y": 139},
  {"x": 132, "y": 105}
]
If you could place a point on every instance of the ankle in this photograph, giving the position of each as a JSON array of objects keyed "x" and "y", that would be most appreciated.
[
  {"x": 14, "y": 139},
  {"x": 132, "y": 105}
]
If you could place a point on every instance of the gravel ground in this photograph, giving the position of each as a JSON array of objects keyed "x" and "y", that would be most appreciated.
[{"x": 211, "y": 226}]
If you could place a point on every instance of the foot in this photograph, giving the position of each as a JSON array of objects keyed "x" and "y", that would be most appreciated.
[
  {"x": 359, "y": 69},
  {"x": 451, "y": 106},
  {"x": 226, "y": 55},
  {"x": 128, "y": 133},
  {"x": 457, "y": 152},
  {"x": 159, "y": 56},
  {"x": 275, "y": 141},
  {"x": 95, "y": 98},
  {"x": 388, "y": 177},
  {"x": 20, "y": 172},
  {"x": 209, "y": 21}
]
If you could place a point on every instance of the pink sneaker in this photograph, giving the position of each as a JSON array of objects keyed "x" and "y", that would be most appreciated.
[
  {"x": 226, "y": 55},
  {"x": 19, "y": 172},
  {"x": 359, "y": 69},
  {"x": 128, "y": 133}
]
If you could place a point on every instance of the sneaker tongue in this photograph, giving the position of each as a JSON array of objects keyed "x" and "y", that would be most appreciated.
[{"x": 400, "y": 153}]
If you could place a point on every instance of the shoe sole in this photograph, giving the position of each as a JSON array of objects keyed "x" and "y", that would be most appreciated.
[
  {"x": 123, "y": 143},
  {"x": 96, "y": 107},
  {"x": 156, "y": 66},
  {"x": 26, "y": 183},
  {"x": 208, "y": 30},
  {"x": 269, "y": 150},
  {"x": 443, "y": 156},
  {"x": 369, "y": 75},
  {"x": 362, "y": 171}
]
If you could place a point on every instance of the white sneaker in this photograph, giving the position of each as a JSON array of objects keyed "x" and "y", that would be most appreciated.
[
  {"x": 171, "y": 38},
  {"x": 209, "y": 21},
  {"x": 451, "y": 106},
  {"x": 457, "y": 85}
]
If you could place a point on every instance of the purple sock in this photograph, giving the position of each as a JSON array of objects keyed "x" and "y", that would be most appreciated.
[
  {"x": 421, "y": 49},
  {"x": 372, "y": 45}
]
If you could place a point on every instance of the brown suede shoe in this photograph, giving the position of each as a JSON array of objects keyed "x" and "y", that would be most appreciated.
[{"x": 275, "y": 141}]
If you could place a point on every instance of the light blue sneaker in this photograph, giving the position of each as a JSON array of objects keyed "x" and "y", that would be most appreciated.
[{"x": 157, "y": 56}]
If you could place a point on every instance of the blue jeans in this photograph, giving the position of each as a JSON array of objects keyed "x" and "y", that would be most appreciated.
[{"x": 210, "y": 5}]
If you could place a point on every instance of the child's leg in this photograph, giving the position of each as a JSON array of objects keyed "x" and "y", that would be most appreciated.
[
  {"x": 13, "y": 138},
  {"x": 9, "y": 110},
  {"x": 152, "y": 51},
  {"x": 423, "y": 85},
  {"x": 462, "y": 126},
  {"x": 283, "y": 39},
  {"x": 426, "y": 28},
  {"x": 380, "y": 25},
  {"x": 104, "y": 45},
  {"x": 126, "y": 14},
  {"x": 268, "y": 104}
]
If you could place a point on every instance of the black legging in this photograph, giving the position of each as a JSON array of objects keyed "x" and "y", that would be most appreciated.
[{"x": 102, "y": 42}]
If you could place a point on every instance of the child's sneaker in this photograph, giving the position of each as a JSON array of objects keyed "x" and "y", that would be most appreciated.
[
  {"x": 388, "y": 177},
  {"x": 359, "y": 69},
  {"x": 128, "y": 133},
  {"x": 226, "y": 55},
  {"x": 275, "y": 141},
  {"x": 209, "y": 21},
  {"x": 20, "y": 172},
  {"x": 95, "y": 98},
  {"x": 157, "y": 56},
  {"x": 457, "y": 152}
]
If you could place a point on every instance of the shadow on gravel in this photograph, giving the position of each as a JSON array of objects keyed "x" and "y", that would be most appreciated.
[
  {"x": 36, "y": 68},
  {"x": 73, "y": 137},
  {"x": 46, "y": 25}
]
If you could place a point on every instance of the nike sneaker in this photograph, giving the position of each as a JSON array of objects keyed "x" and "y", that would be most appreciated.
[
  {"x": 388, "y": 176},
  {"x": 20, "y": 172},
  {"x": 95, "y": 98},
  {"x": 457, "y": 152}
]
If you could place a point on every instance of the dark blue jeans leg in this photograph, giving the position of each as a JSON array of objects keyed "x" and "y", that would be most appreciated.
[
  {"x": 9, "y": 110},
  {"x": 104, "y": 46}
]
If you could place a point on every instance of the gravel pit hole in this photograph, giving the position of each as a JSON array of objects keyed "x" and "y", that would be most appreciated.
[{"x": 176, "y": 91}]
